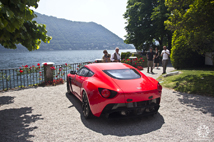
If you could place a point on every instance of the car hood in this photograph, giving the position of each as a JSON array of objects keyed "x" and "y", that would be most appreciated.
[{"x": 135, "y": 85}]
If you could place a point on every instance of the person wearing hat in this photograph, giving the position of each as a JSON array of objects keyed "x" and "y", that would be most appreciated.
[
  {"x": 115, "y": 57},
  {"x": 106, "y": 56}
]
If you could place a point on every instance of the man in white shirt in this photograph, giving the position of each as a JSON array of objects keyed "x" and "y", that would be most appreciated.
[
  {"x": 165, "y": 54},
  {"x": 115, "y": 57}
]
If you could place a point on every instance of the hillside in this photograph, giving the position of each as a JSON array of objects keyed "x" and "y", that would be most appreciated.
[{"x": 70, "y": 35}]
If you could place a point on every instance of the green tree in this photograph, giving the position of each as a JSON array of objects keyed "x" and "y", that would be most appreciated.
[
  {"x": 140, "y": 30},
  {"x": 194, "y": 20},
  {"x": 17, "y": 25},
  {"x": 145, "y": 23},
  {"x": 159, "y": 15}
]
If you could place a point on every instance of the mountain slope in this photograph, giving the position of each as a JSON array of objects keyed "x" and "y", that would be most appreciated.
[{"x": 70, "y": 35}]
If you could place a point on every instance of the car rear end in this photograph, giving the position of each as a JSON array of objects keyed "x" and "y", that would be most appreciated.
[
  {"x": 135, "y": 95},
  {"x": 135, "y": 104}
]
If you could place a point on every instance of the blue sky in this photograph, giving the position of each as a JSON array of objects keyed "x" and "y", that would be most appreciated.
[{"x": 108, "y": 13}]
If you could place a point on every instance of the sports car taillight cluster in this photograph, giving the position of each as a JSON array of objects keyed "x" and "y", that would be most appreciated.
[
  {"x": 159, "y": 88},
  {"x": 106, "y": 93}
]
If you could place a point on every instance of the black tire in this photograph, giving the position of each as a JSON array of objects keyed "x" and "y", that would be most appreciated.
[
  {"x": 86, "y": 107},
  {"x": 68, "y": 85}
]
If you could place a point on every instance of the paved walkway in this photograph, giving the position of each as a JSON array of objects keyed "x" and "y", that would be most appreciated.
[{"x": 157, "y": 72}]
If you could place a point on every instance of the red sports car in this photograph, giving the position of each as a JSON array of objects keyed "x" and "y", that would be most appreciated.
[{"x": 114, "y": 89}]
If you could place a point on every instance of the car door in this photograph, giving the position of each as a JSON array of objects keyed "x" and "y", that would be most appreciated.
[{"x": 78, "y": 80}]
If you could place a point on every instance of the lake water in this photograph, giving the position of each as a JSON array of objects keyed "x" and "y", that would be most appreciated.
[{"x": 17, "y": 59}]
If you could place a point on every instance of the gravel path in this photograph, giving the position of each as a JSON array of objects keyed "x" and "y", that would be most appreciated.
[{"x": 49, "y": 114}]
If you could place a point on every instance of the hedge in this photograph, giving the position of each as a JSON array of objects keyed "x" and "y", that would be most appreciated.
[
  {"x": 125, "y": 55},
  {"x": 182, "y": 56}
]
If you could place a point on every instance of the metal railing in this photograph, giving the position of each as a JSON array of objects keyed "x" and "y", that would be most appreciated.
[
  {"x": 25, "y": 76},
  {"x": 61, "y": 71},
  {"x": 20, "y": 77}
]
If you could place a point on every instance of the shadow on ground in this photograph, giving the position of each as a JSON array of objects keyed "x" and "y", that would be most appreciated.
[
  {"x": 14, "y": 124},
  {"x": 201, "y": 103},
  {"x": 4, "y": 100},
  {"x": 119, "y": 127}
]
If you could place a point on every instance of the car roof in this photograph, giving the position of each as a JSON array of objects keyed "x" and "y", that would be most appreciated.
[{"x": 108, "y": 66}]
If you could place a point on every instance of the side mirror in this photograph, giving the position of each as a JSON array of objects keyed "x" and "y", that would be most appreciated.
[{"x": 73, "y": 72}]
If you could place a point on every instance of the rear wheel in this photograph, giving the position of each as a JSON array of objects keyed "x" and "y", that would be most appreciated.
[{"x": 85, "y": 107}]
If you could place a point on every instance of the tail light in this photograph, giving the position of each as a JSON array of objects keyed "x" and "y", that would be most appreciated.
[
  {"x": 159, "y": 88},
  {"x": 106, "y": 93}
]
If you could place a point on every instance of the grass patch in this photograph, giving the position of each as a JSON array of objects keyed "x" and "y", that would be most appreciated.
[{"x": 199, "y": 81}]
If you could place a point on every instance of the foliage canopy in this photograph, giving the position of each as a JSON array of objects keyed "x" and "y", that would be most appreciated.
[
  {"x": 145, "y": 23},
  {"x": 17, "y": 25},
  {"x": 194, "y": 20}
]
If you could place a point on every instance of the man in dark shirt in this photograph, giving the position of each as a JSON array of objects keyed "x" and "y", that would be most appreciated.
[{"x": 150, "y": 57}]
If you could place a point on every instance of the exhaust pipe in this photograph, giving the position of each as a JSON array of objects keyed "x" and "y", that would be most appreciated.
[{"x": 123, "y": 113}]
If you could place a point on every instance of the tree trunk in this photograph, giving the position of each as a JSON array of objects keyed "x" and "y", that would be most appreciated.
[{"x": 161, "y": 42}]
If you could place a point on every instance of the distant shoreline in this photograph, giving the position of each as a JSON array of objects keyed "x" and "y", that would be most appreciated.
[
  {"x": 21, "y": 51},
  {"x": 18, "y": 59}
]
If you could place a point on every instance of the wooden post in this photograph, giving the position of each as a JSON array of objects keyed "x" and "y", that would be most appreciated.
[{"x": 48, "y": 73}]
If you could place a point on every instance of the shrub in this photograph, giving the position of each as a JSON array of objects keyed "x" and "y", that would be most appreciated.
[
  {"x": 182, "y": 56},
  {"x": 138, "y": 62},
  {"x": 125, "y": 55},
  {"x": 144, "y": 64}
]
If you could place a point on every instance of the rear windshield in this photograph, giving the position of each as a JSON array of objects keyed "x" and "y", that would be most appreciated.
[{"x": 123, "y": 74}]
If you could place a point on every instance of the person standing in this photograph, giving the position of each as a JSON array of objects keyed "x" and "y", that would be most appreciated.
[
  {"x": 150, "y": 57},
  {"x": 115, "y": 57},
  {"x": 106, "y": 56},
  {"x": 157, "y": 54},
  {"x": 165, "y": 54}
]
